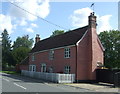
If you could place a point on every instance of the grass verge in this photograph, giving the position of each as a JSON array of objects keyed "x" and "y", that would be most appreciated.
[{"x": 10, "y": 72}]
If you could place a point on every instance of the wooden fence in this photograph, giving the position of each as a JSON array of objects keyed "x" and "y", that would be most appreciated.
[{"x": 108, "y": 76}]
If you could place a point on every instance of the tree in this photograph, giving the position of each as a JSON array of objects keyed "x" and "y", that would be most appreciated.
[
  {"x": 23, "y": 41},
  {"x": 21, "y": 47},
  {"x": 7, "y": 58},
  {"x": 20, "y": 53},
  {"x": 57, "y": 32},
  {"x": 111, "y": 43},
  {"x": 6, "y": 42}
]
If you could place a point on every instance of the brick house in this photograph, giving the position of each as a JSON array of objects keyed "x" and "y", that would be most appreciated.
[{"x": 78, "y": 52}]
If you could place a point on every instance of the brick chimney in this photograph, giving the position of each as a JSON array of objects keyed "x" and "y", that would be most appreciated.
[
  {"x": 92, "y": 36},
  {"x": 92, "y": 21},
  {"x": 37, "y": 39}
]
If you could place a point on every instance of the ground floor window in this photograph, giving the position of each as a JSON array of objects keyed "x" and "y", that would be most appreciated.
[
  {"x": 43, "y": 67},
  {"x": 50, "y": 69},
  {"x": 32, "y": 68},
  {"x": 67, "y": 69}
]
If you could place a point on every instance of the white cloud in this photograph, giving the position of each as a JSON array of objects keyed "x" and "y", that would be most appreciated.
[
  {"x": 44, "y": 9},
  {"x": 23, "y": 22},
  {"x": 79, "y": 18},
  {"x": 33, "y": 25},
  {"x": 104, "y": 23},
  {"x": 36, "y": 7},
  {"x": 5, "y": 23},
  {"x": 30, "y": 30},
  {"x": 18, "y": 17}
]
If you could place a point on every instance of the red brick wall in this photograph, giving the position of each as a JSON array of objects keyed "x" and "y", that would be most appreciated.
[
  {"x": 97, "y": 53},
  {"x": 24, "y": 67},
  {"x": 89, "y": 52},
  {"x": 83, "y": 59},
  {"x": 58, "y": 63}
]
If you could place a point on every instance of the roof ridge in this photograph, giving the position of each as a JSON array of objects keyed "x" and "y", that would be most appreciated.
[
  {"x": 65, "y": 39},
  {"x": 64, "y": 33}
]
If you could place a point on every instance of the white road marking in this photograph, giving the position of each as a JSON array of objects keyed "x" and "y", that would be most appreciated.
[
  {"x": 20, "y": 86},
  {"x": 6, "y": 79}
]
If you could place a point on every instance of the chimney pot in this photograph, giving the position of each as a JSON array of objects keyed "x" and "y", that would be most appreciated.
[{"x": 92, "y": 20}]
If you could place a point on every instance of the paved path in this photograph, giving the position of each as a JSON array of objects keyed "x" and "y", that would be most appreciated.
[
  {"x": 13, "y": 83},
  {"x": 100, "y": 87}
]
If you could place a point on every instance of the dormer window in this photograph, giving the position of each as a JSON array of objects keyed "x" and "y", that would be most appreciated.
[
  {"x": 67, "y": 52},
  {"x": 33, "y": 57},
  {"x": 51, "y": 54}
]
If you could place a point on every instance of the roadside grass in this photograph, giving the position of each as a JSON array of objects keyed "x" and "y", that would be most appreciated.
[{"x": 10, "y": 72}]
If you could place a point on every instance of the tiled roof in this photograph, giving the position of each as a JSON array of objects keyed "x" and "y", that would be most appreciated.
[{"x": 66, "y": 39}]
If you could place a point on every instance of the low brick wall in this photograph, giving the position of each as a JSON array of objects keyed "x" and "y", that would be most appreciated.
[{"x": 54, "y": 77}]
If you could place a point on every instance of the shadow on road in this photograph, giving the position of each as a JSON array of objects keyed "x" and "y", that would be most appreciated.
[{"x": 24, "y": 79}]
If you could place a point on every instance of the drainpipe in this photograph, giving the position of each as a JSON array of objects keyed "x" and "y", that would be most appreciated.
[{"x": 76, "y": 65}]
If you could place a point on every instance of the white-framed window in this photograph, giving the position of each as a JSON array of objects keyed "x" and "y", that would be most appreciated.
[
  {"x": 33, "y": 57},
  {"x": 67, "y": 69},
  {"x": 51, "y": 54},
  {"x": 51, "y": 69},
  {"x": 67, "y": 52},
  {"x": 32, "y": 68},
  {"x": 43, "y": 67}
]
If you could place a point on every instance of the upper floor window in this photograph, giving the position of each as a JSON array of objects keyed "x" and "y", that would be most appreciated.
[
  {"x": 67, "y": 69},
  {"x": 33, "y": 57},
  {"x": 67, "y": 52},
  {"x": 51, "y": 54},
  {"x": 32, "y": 68}
]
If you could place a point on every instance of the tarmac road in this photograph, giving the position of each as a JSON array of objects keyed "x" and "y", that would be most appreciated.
[{"x": 17, "y": 83}]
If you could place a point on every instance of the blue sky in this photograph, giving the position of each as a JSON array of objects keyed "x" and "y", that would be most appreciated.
[{"x": 69, "y": 15}]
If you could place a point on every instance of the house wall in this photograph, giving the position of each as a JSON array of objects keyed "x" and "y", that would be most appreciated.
[
  {"x": 97, "y": 54},
  {"x": 83, "y": 59},
  {"x": 84, "y": 56},
  {"x": 58, "y": 63},
  {"x": 23, "y": 67},
  {"x": 89, "y": 52}
]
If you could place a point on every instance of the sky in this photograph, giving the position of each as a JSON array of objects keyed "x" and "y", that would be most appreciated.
[{"x": 64, "y": 15}]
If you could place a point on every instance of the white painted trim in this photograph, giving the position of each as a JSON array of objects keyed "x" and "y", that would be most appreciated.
[
  {"x": 67, "y": 51},
  {"x": 82, "y": 37},
  {"x": 32, "y": 65},
  {"x": 53, "y": 49},
  {"x": 43, "y": 64},
  {"x": 33, "y": 57}
]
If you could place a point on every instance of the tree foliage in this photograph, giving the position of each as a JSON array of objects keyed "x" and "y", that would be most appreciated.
[
  {"x": 57, "y": 32},
  {"x": 20, "y": 53},
  {"x": 7, "y": 57},
  {"x": 21, "y": 47},
  {"x": 12, "y": 55},
  {"x": 111, "y": 42},
  {"x": 6, "y": 42},
  {"x": 23, "y": 41}
]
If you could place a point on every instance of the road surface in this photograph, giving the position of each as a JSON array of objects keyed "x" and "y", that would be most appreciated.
[{"x": 16, "y": 83}]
